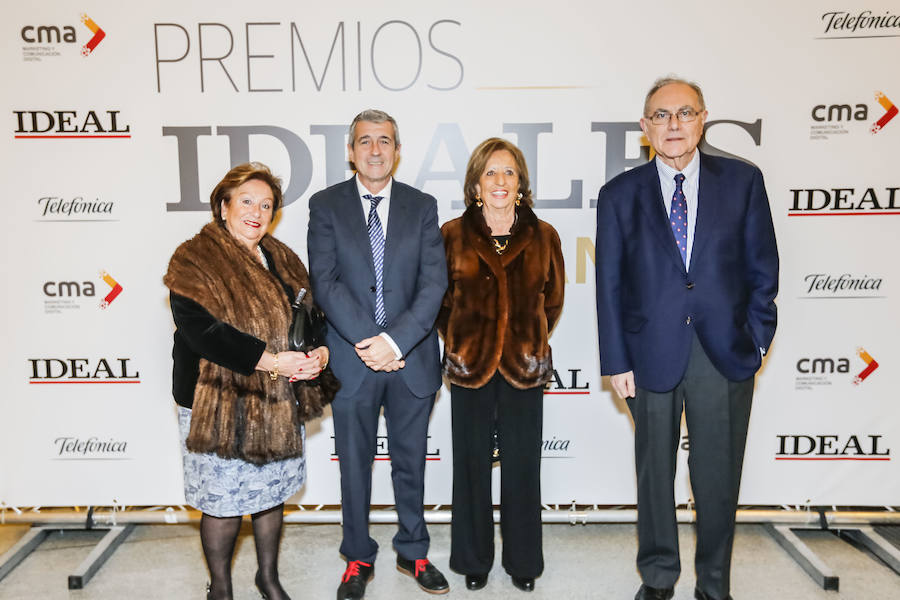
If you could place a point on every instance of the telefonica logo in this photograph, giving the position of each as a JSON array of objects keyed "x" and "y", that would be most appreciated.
[
  {"x": 841, "y": 24},
  {"x": 841, "y": 286},
  {"x": 90, "y": 448}
]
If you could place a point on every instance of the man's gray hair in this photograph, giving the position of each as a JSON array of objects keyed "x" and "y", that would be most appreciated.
[
  {"x": 372, "y": 115},
  {"x": 669, "y": 79}
]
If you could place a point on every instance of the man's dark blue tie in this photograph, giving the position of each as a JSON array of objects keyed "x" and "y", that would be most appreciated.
[
  {"x": 678, "y": 217},
  {"x": 376, "y": 239}
]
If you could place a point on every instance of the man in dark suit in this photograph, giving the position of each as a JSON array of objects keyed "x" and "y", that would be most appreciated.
[
  {"x": 687, "y": 273},
  {"x": 377, "y": 267}
]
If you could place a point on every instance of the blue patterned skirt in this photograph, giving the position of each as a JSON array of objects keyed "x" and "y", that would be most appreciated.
[{"x": 228, "y": 487}]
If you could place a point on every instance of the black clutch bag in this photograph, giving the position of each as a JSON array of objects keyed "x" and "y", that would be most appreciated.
[
  {"x": 307, "y": 332},
  {"x": 308, "y": 325}
]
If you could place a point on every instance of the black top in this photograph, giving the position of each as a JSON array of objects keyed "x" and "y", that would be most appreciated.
[{"x": 198, "y": 335}]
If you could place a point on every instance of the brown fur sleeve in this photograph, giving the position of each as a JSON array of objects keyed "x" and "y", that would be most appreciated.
[
  {"x": 554, "y": 289},
  {"x": 443, "y": 317}
]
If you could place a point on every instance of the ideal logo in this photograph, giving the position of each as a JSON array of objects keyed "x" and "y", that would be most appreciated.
[
  {"x": 570, "y": 385},
  {"x": 383, "y": 452},
  {"x": 832, "y": 447},
  {"x": 69, "y": 124},
  {"x": 82, "y": 370}
]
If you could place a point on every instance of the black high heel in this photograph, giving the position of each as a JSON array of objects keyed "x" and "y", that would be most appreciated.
[{"x": 259, "y": 589}]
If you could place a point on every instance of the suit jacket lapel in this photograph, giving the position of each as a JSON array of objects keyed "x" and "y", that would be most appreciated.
[
  {"x": 397, "y": 217},
  {"x": 651, "y": 202},
  {"x": 349, "y": 209},
  {"x": 709, "y": 197}
]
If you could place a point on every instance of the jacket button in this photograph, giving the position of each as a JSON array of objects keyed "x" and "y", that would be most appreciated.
[
  {"x": 372, "y": 289},
  {"x": 688, "y": 321},
  {"x": 690, "y": 285}
]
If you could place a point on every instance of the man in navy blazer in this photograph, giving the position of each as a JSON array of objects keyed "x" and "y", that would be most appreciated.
[
  {"x": 687, "y": 274},
  {"x": 377, "y": 268}
]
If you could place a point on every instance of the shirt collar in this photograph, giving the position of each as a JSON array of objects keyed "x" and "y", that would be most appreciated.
[
  {"x": 384, "y": 193},
  {"x": 690, "y": 171}
]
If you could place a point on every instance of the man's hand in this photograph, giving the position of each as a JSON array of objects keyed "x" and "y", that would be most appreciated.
[
  {"x": 377, "y": 354},
  {"x": 623, "y": 383},
  {"x": 394, "y": 365}
]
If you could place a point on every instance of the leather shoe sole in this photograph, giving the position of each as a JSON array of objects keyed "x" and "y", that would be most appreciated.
[
  {"x": 431, "y": 580},
  {"x": 526, "y": 584},
  {"x": 651, "y": 593},
  {"x": 701, "y": 595},
  {"x": 476, "y": 582}
]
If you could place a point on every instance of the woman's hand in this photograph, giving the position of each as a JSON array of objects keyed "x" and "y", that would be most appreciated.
[
  {"x": 293, "y": 365},
  {"x": 322, "y": 354}
]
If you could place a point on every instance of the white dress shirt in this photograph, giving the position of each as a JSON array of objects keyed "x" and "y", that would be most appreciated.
[
  {"x": 382, "y": 210},
  {"x": 691, "y": 189}
]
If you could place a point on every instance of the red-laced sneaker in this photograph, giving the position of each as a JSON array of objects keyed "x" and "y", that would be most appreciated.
[
  {"x": 421, "y": 564},
  {"x": 353, "y": 569},
  {"x": 426, "y": 574},
  {"x": 353, "y": 583}
]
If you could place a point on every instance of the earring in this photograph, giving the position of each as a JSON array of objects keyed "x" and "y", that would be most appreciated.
[
  {"x": 519, "y": 199},
  {"x": 478, "y": 201}
]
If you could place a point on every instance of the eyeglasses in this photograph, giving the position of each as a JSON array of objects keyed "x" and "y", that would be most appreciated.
[{"x": 662, "y": 117}]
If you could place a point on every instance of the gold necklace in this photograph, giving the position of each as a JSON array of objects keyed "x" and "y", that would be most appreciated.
[{"x": 500, "y": 248}]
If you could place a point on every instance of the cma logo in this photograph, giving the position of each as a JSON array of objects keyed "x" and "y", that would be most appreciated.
[
  {"x": 840, "y": 112},
  {"x": 51, "y": 34},
  {"x": 857, "y": 112},
  {"x": 48, "y": 34},
  {"x": 69, "y": 289},
  {"x": 829, "y": 366}
]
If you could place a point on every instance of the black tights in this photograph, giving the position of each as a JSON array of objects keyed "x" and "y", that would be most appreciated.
[{"x": 218, "y": 536}]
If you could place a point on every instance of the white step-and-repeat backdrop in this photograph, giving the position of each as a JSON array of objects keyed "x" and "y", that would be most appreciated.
[{"x": 120, "y": 119}]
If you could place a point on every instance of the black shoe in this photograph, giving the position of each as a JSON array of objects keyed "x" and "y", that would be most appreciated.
[
  {"x": 701, "y": 595},
  {"x": 651, "y": 593},
  {"x": 526, "y": 584},
  {"x": 259, "y": 589},
  {"x": 279, "y": 591},
  {"x": 476, "y": 582},
  {"x": 426, "y": 574},
  {"x": 353, "y": 583}
]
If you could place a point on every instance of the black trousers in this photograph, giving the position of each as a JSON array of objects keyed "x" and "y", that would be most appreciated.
[
  {"x": 355, "y": 437},
  {"x": 519, "y": 415},
  {"x": 717, "y": 412}
]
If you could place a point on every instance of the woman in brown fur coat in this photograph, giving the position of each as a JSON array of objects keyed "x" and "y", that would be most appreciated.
[
  {"x": 505, "y": 294},
  {"x": 231, "y": 288}
]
